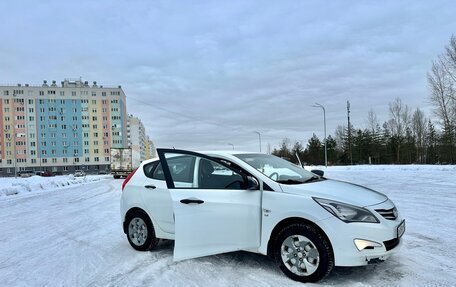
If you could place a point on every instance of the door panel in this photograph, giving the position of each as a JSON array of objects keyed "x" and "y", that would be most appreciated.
[
  {"x": 228, "y": 220},
  {"x": 216, "y": 214},
  {"x": 158, "y": 202},
  {"x": 156, "y": 197}
]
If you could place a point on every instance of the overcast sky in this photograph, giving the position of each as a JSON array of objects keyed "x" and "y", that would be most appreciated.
[{"x": 203, "y": 74}]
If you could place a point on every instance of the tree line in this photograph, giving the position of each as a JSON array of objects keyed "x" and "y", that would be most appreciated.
[{"x": 408, "y": 136}]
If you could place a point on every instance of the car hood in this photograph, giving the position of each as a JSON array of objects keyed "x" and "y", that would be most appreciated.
[{"x": 337, "y": 190}]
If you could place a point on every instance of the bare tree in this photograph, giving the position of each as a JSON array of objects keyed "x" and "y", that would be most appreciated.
[
  {"x": 341, "y": 138},
  {"x": 419, "y": 129},
  {"x": 398, "y": 123},
  {"x": 442, "y": 94},
  {"x": 372, "y": 121},
  {"x": 443, "y": 90},
  {"x": 448, "y": 58}
]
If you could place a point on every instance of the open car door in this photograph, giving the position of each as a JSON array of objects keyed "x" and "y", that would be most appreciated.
[{"x": 214, "y": 211}]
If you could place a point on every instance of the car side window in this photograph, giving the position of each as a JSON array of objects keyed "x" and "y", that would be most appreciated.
[
  {"x": 181, "y": 168},
  {"x": 192, "y": 171},
  {"x": 212, "y": 175},
  {"x": 158, "y": 172},
  {"x": 154, "y": 170}
]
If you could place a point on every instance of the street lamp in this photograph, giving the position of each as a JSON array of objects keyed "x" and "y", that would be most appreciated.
[
  {"x": 231, "y": 145},
  {"x": 317, "y": 105},
  {"x": 259, "y": 138}
]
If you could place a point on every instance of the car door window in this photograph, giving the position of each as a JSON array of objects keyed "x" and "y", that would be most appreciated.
[
  {"x": 202, "y": 173},
  {"x": 181, "y": 168},
  {"x": 216, "y": 176}
]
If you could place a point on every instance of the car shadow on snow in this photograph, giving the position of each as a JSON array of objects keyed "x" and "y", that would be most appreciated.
[{"x": 247, "y": 263}]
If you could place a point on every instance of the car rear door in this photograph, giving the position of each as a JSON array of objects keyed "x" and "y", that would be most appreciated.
[{"x": 214, "y": 212}]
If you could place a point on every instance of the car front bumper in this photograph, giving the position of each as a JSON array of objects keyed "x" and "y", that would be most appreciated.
[{"x": 383, "y": 235}]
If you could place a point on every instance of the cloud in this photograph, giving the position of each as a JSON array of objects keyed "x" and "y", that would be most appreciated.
[{"x": 210, "y": 73}]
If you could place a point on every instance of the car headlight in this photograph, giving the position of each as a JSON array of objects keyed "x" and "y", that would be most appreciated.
[{"x": 347, "y": 212}]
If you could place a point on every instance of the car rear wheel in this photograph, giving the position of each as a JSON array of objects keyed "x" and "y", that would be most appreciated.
[
  {"x": 303, "y": 253},
  {"x": 141, "y": 232}
]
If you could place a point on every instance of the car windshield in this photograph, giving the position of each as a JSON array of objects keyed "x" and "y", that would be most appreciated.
[{"x": 278, "y": 169}]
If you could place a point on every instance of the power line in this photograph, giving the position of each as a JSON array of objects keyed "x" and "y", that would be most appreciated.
[{"x": 211, "y": 122}]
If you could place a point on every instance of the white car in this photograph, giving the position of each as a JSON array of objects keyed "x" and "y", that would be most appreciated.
[
  {"x": 216, "y": 202},
  {"x": 79, "y": 173}
]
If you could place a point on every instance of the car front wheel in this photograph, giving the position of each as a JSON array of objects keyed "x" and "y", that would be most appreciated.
[
  {"x": 303, "y": 253},
  {"x": 140, "y": 232}
]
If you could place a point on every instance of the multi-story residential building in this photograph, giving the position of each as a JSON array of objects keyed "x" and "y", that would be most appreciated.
[
  {"x": 136, "y": 140},
  {"x": 150, "y": 148},
  {"x": 60, "y": 128}
]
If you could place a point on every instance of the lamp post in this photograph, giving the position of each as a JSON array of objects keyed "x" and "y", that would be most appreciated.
[
  {"x": 231, "y": 145},
  {"x": 259, "y": 138},
  {"x": 317, "y": 105}
]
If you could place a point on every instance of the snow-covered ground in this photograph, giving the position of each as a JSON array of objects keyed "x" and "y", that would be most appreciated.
[
  {"x": 55, "y": 234},
  {"x": 30, "y": 185}
]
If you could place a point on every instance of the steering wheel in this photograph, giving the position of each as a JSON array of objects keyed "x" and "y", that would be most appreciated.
[{"x": 274, "y": 174}]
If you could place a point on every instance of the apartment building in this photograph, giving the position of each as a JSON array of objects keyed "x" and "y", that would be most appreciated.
[
  {"x": 60, "y": 128},
  {"x": 150, "y": 148},
  {"x": 136, "y": 135}
]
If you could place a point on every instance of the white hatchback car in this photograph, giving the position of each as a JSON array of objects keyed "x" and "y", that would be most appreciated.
[{"x": 216, "y": 202}]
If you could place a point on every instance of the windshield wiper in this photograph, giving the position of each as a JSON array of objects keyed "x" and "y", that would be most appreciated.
[
  {"x": 290, "y": 181},
  {"x": 313, "y": 178}
]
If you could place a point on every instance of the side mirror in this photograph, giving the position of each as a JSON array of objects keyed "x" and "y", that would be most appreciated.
[
  {"x": 252, "y": 183},
  {"x": 318, "y": 172}
]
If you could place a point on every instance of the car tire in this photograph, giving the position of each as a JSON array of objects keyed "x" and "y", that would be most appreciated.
[
  {"x": 140, "y": 232},
  {"x": 303, "y": 253}
]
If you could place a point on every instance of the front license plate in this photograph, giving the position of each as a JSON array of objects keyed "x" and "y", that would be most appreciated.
[{"x": 401, "y": 229}]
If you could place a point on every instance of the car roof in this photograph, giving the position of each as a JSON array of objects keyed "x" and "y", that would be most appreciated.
[{"x": 211, "y": 153}]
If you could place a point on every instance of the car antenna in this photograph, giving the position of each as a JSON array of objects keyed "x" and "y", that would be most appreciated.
[{"x": 299, "y": 160}]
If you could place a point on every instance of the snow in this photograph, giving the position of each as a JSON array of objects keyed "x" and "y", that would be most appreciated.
[
  {"x": 14, "y": 186},
  {"x": 59, "y": 234}
]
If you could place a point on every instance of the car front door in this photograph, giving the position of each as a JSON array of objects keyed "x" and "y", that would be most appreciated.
[{"x": 214, "y": 210}]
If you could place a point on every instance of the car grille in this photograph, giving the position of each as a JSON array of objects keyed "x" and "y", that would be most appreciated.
[
  {"x": 390, "y": 214},
  {"x": 390, "y": 244}
]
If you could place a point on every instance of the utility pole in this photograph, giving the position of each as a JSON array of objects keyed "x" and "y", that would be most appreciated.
[{"x": 349, "y": 134}]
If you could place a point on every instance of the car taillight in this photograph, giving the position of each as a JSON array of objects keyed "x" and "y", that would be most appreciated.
[{"x": 128, "y": 178}]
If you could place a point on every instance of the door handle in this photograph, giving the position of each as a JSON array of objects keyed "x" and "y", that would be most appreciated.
[
  {"x": 191, "y": 200},
  {"x": 150, "y": 186}
]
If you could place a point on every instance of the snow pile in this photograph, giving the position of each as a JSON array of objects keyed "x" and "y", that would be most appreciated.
[{"x": 14, "y": 186}]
